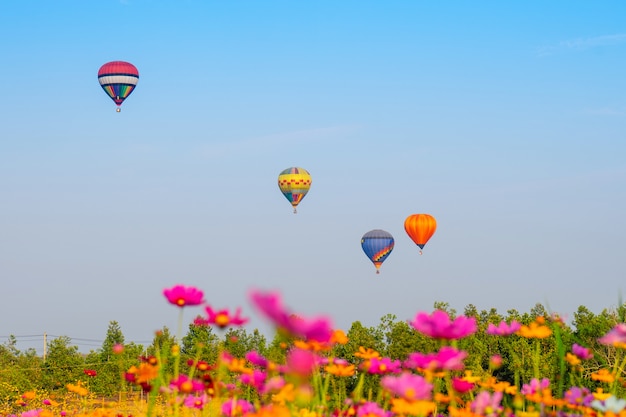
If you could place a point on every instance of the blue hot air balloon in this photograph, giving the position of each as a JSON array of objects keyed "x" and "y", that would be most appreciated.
[{"x": 377, "y": 245}]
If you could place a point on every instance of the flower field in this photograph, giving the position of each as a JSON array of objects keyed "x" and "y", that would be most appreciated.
[{"x": 478, "y": 363}]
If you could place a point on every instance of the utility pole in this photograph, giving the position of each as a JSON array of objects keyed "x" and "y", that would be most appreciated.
[{"x": 45, "y": 346}]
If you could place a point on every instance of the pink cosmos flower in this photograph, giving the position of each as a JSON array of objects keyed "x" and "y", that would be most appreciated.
[
  {"x": 255, "y": 358},
  {"x": 581, "y": 352},
  {"x": 535, "y": 386},
  {"x": 187, "y": 385},
  {"x": 616, "y": 335},
  {"x": 221, "y": 319},
  {"x": 462, "y": 386},
  {"x": 447, "y": 359},
  {"x": 301, "y": 362},
  {"x": 197, "y": 402},
  {"x": 273, "y": 384},
  {"x": 182, "y": 296},
  {"x": 439, "y": 326},
  {"x": 372, "y": 409},
  {"x": 503, "y": 329},
  {"x": 408, "y": 386},
  {"x": 486, "y": 404},
  {"x": 381, "y": 366},
  {"x": 233, "y": 408},
  {"x": 256, "y": 378},
  {"x": 318, "y": 329}
]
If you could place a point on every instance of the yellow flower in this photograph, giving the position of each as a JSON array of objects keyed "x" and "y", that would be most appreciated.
[
  {"x": 468, "y": 377},
  {"x": 366, "y": 353},
  {"x": 285, "y": 395},
  {"x": 29, "y": 395},
  {"x": 600, "y": 395},
  {"x": 339, "y": 369},
  {"x": 339, "y": 337},
  {"x": 572, "y": 359},
  {"x": 603, "y": 375},
  {"x": 535, "y": 331},
  {"x": 415, "y": 408},
  {"x": 238, "y": 365},
  {"x": 78, "y": 389},
  {"x": 307, "y": 413}
]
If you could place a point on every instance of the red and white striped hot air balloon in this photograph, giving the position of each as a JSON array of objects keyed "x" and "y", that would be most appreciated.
[{"x": 118, "y": 79}]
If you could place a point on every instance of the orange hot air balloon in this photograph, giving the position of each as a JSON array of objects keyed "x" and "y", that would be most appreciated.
[{"x": 420, "y": 228}]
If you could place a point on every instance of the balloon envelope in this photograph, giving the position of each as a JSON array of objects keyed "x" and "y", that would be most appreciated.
[
  {"x": 377, "y": 245},
  {"x": 118, "y": 79},
  {"x": 420, "y": 228},
  {"x": 294, "y": 183}
]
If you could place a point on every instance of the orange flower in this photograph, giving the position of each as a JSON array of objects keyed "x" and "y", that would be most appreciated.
[
  {"x": 29, "y": 395},
  {"x": 145, "y": 372},
  {"x": 603, "y": 375},
  {"x": 312, "y": 345},
  {"x": 572, "y": 359},
  {"x": 238, "y": 365},
  {"x": 340, "y": 369},
  {"x": 339, "y": 337},
  {"x": 366, "y": 353},
  {"x": 271, "y": 410},
  {"x": 535, "y": 331},
  {"x": 78, "y": 389},
  {"x": 415, "y": 408}
]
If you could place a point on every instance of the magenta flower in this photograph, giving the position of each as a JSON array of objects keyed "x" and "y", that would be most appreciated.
[
  {"x": 318, "y": 329},
  {"x": 486, "y": 404},
  {"x": 256, "y": 379},
  {"x": 274, "y": 384},
  {"x": 439, "y": 326},
  {"x": 198, "y": 402},
  {"x": 578, "y": 396},
  {"x": 221, "y": 319},
  {"x": 372, "y": 409},
  {"x": 503, "y": 329},
  {"x": 535, "y": 386},
  {"x": 187, "y": 385},
  {"x": 581, "y": 352},
  {"x": 616, "y": 335},
  {"x": 462, "y": 386},
  {"x": 408, "y": 386},
  {"x": 301, "y": 362},
  {"x": 233, "y": 408},
  {"x": 447, "y": 359},
  {"x": 381, "y": 366},
  {"x": 255, "y": 358},
  {"x": 182, "y": 296}
]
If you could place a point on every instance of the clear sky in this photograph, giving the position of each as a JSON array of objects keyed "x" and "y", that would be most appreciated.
[{"x": 504, "y": 120}]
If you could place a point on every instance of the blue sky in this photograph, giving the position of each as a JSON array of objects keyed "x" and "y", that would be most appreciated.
[{"x": 505, "y": 121}]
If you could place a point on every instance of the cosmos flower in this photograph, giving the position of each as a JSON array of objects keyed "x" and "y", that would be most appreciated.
[
  {"x": 236, "y": 408},
  {"x": 439, "y": 326},
  {"x": 301, "y": 362},
  {"x": 270, "y": 305},
  {"x": 256, "y": 378},
  {"x": 615, "y": 336},
  {"x": 255, "y": 358},
  {"x": 380, "y": 366},
  {"x": 535, "y": 330},
  {"x": 221, "y": 318},
  {"x": 611, "y": 404},
  {"x": 582, "y": 352},
  {"x": 487, "y": 404},
  {"x": 181, "y": 296},
  {"x": 197, "y": 402},
  {"x": 578, "y": 396},
  {"x": 447, "y": 359},
  {"x": 460, "y": 385},
  {"x": 340, "y": 367},
  {"x": 187, "y": 385},
  {"x": 503, "y": 329},
  {"x": 372, "y": 409},
  {"x": 535, "y": 386},
  {"x": 90, "y": 372},
  {"x": 408, "y": 386}
]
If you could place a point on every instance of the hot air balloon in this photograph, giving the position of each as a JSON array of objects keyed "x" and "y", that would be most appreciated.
[
  {"x": 420, "y": 228},
  {"x": 377, "y": 245},
  {"x": 294, "y": 183},
  {"x": 118, "y": 79}
]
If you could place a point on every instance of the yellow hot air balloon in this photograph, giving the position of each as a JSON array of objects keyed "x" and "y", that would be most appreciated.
[
  {"x": 420, "y": 228},
  {"x": 294, "y": 183}
]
